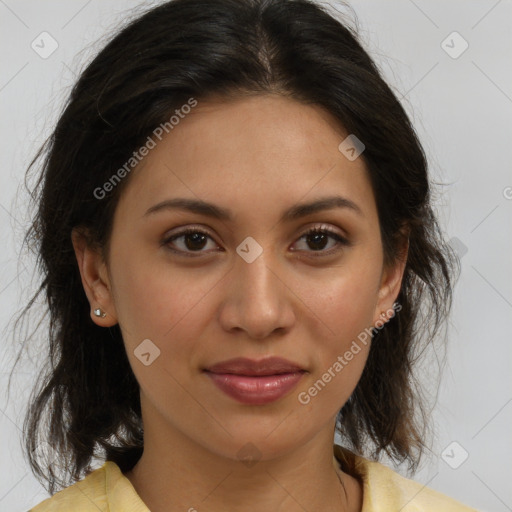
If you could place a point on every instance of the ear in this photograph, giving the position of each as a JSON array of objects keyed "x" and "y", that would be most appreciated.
[
  {"x": 95, "y": 278},
  {"x": 391, "y": 281}
]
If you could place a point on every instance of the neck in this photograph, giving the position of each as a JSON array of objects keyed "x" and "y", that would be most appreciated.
[{"x": 176, "y": 474}]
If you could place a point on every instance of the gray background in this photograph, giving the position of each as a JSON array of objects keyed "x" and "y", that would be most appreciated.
[{"x": 461, "y": 106}]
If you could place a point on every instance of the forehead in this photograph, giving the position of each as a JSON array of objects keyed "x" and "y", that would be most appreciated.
[{"x": 251, "y": 153}]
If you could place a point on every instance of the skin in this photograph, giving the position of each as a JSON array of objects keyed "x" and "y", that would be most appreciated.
[{"x": 257, "y": 157}]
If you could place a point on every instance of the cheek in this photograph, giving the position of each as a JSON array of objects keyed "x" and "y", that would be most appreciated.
[
  {"x": 162, "y": 303},
  {"x": 164, "y": 307},
  {"x": 347, "y": 300},
  {"x": 338, "y": 364},
  {"x": 346, "y": 308}
]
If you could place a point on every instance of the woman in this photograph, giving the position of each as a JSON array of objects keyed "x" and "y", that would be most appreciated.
[{"x": 236, "y": 236}]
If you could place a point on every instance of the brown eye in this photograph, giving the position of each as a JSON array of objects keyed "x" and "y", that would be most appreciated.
[
  {"x": 189, "y": 241},
  {"x": 195, "y": 241},
  {"x": 322, "y": 240},
  {"x": 317, "y": 241}
]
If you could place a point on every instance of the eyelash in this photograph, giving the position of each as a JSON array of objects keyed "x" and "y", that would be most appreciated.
[{"x": 325, "y": 230}]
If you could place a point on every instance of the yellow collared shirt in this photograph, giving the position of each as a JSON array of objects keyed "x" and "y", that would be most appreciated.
[{"x": 106, "y": 489}]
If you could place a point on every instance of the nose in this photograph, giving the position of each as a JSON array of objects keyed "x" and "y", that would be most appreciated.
[{"x": 257, "y": 299}]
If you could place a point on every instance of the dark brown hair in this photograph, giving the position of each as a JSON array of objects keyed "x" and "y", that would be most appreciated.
[{"x": 87, "y": 401}]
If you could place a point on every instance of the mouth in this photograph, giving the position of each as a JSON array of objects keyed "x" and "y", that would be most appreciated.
[
  {"x": 255, "y": 382},
  {"x": 251, "y": 367}
]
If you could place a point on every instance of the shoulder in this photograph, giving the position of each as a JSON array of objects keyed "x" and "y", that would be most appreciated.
[
  {"x": 87, "y": 494},
  {"x": 105, "y": 488},
  {"x": 385, "y": 489}
]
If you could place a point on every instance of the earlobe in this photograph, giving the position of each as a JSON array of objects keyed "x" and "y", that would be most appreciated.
[
  {"x": 95, "y": 279},
  {"x": 391, "y": 283}
]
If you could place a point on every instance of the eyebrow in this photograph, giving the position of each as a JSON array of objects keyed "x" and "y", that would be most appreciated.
[{"x": 295, "y": 212}]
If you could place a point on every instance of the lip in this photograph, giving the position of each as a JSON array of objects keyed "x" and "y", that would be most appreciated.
[
  {"x": 255, "y": 382},
  {"x": 251, "y": 367}
]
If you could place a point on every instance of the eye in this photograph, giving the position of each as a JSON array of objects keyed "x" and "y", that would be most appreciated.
[
  {"x": 189, "y": 241},
  {"x": 322, "y": 240}
]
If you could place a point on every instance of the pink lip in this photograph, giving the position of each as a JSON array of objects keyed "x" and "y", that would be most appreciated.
[
  {"x": 244, "y": 366},
  {"x": 255, "y": 390},
  {"x": 255, "y": 382}
]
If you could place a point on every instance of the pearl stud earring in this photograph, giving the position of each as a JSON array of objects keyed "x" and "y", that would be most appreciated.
[{"x": 100, "y": 313}]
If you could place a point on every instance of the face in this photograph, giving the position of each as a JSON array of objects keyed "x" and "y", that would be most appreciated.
[{"x": 247, "y": 279}]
